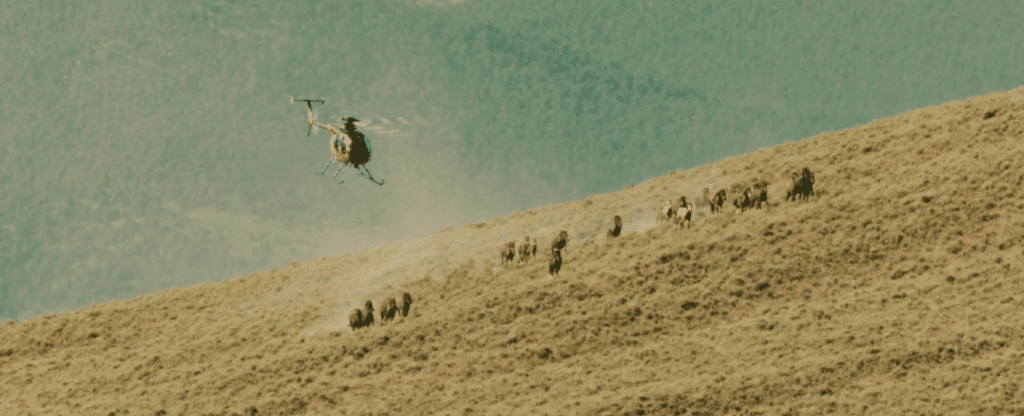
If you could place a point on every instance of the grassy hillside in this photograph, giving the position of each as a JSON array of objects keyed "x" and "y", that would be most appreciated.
[{"x": 896, "y": 290}]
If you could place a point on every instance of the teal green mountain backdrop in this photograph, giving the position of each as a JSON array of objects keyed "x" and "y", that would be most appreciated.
[{"x": 147, "y": 145}]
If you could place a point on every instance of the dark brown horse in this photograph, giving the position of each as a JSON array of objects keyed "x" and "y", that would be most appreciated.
[
  {"x": 808, "y": 183},
  {"x": 718, "y": 200},
  {"x": 801, "y": 185},
  {"x": 743, "y": 201},
  {"x": 616, "y": 228},
  {"x": 556, "y": 253}
]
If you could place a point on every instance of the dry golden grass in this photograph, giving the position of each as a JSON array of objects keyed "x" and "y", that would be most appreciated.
[{"x": 897, "y": 290}]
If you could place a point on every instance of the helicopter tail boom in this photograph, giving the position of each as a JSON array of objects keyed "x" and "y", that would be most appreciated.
[{"x": 309, "y": 111}]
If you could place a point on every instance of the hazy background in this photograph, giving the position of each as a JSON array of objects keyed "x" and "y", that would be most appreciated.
[{"x": 152, "y": 145}]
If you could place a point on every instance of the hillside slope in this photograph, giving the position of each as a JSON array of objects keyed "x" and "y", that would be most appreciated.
[{"x": 897, "y": 289}]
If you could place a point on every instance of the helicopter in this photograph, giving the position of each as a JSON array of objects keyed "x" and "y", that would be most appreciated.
[{"x": 348, "y": 146}]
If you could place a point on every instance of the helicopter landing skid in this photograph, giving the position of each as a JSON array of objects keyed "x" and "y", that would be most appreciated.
[
  {"x": 360, "y": 168},
  {"x": 369, "y": 176}
]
